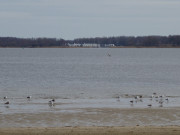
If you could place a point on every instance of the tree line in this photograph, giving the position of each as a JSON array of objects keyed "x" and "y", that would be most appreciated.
[
  {"x": 132, "y": 41},
  {"x": 121, "y": 41},
  {"x": 31, "y": 42}
]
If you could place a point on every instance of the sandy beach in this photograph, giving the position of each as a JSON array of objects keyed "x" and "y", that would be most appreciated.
[
  {"x": 149, "y": 130},
  {"x": 88, "y": 117},
  {"x": 93, "y": 121}
]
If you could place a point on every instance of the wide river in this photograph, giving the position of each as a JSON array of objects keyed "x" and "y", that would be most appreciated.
[
  {"x": 87, "y": 77},
  {"x": 89, "y": 73}
]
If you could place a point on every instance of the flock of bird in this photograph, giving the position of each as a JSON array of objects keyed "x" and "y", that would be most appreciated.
[
  {"x": 160, "y": 99},
  {"x": 51, "y": 102}
]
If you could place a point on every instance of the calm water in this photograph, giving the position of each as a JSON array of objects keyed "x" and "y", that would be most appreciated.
[{"x": 89, "y": 73}]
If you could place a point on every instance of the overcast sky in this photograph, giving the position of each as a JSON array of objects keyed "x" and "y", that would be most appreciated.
[{"x": 71, "y": 19}]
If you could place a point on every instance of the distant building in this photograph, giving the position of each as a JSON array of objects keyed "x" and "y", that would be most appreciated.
[
  {"x": 91, "y": 45},
  {"x": 84, "y": 45},
  {"x": 109, "y": 45},
  {"x": 74, "y": 45}
]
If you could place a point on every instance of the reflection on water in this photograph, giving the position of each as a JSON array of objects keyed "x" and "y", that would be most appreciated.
[{"x": 6, "y": 106}]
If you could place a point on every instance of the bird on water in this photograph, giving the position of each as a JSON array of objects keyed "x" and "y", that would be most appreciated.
[
  {"x": 29, "y": 97},
  {"x": 7, "y": 103}
]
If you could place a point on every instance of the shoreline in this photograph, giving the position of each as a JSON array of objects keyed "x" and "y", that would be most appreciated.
[{"x": 140, "y": 130}]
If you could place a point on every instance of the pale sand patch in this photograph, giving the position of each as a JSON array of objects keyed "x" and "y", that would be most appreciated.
[{"x": 173, "y": 130}]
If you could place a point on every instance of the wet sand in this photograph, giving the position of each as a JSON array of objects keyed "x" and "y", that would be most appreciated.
[
  {"x": 148, "y": 130},
  {"x": 88, "y": 117}
]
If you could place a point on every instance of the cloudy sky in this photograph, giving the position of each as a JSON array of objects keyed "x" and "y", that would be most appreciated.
[{"x": 71, "y": 19}]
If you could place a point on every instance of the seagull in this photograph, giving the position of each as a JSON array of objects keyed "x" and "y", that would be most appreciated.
[
  {"x": 161, "y": 102},
  {"x": 28, "y": 97},
  {"x": 118, "y": 98},
  {"x": 136, "y": 97},
  {"x": 53, "y": 100},
  {"x": 161, "y": 96},
  {"x": 151, "y": 97},
  {"x": 7, "y": 103},
  {"x": 140, "y": 100},
  {"x": 131, "y": 101},
  {"x": 51, "y": 103},
  {"x": 5, "y": 97}
]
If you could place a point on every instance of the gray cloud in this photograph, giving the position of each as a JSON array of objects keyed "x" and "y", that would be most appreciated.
[{"x": 88, "y": 18}]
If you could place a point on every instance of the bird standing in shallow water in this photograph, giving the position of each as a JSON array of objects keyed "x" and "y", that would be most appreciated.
[
  {"x": 7, "y": 103},
  {"x": 118, "y": 98},
  {"x": 51, "y": 103},
  {"x": 131, "y": 102},
  {"x": 28, "y": 97}
]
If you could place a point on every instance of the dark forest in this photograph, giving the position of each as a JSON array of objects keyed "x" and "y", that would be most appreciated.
[{"x": 121, "y": 41}]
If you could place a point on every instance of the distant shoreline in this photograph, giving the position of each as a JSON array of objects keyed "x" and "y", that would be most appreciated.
[{"x": 171, "y": 41}]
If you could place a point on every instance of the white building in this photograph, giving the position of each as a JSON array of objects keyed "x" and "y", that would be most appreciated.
[
  {"x": 91, "y": 45},
  {"x": 84, "y": 45},
  {"x": 109, "y": 45},
  {"x": 74, "y": 45}
]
